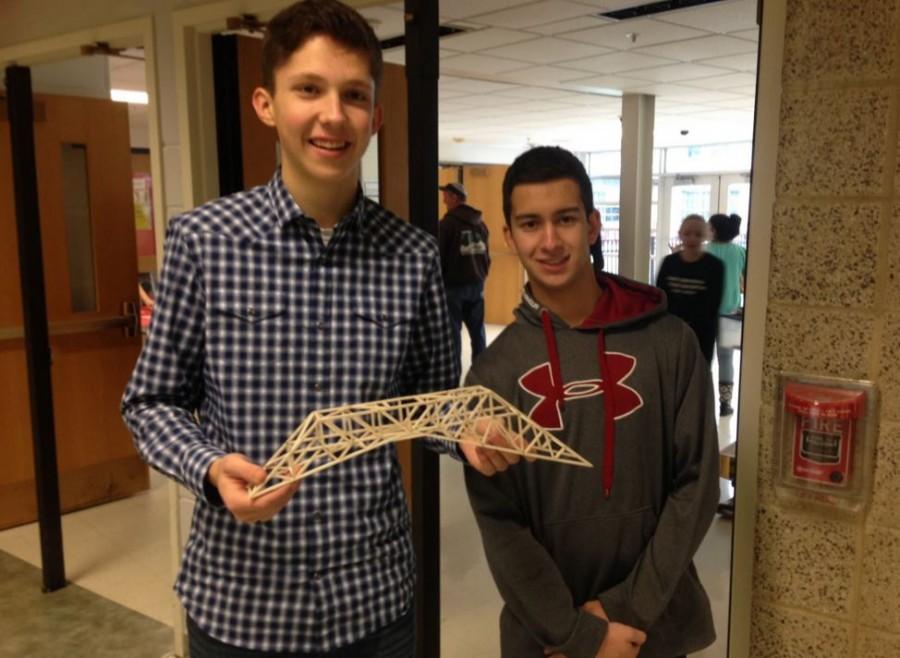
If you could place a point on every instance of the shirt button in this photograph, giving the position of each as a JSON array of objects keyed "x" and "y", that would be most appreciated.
[
  {"x": 320, "y": 325},
  {"x": 251, "y": 311},
  {"x": 317, "y": 517},
  {"x": 317, "y": 386},
  {"x": 315, "y": 575}
]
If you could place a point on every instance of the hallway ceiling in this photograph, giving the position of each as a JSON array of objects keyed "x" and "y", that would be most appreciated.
[{"x": 553, "y": 71}]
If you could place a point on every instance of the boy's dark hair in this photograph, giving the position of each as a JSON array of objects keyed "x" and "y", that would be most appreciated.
[
  {"x": 726, "y": 227},
  {"x": 542, "y": 164},
  {"x": 293, "y": 26}
]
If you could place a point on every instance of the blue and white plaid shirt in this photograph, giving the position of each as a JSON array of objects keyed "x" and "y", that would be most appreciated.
[{"x": 258, "y": 323}]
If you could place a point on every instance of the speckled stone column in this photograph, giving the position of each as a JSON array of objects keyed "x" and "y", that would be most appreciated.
[{"x": 826, "y": 586}]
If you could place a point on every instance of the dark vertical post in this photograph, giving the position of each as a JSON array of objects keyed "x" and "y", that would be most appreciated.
[
  {"x": 34, "y": 312},
  {"x": 422, "y": 79},
  {"x": 226, "y": 92}
]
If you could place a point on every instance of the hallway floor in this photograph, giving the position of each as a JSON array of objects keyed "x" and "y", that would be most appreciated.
[{"x": 118, "y": 559}]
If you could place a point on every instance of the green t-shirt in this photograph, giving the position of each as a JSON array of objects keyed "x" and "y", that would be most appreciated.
[{"x": 735, "y": 259}]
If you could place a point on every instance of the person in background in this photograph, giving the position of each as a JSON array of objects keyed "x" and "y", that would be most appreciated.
[
  {"x": 725, "y": 228},
  {"x": 595, "y": 562},
  {"x": 692, "y": 281},
  {"x": 274, "y": 302},
  {"x": 465, "y": 262}
]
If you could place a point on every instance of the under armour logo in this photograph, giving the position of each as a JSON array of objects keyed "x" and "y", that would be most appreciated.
[{"x": 548, "y": 411}]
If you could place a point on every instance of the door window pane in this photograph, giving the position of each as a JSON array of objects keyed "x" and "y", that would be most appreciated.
[
  {"x": 79, "y": 236},
  {"x": 686, "y": 200}
]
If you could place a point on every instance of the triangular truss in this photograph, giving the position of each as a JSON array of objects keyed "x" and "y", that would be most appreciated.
[{"x": 330, "y": 436}]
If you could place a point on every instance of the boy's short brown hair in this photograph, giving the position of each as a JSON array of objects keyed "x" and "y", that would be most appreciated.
[{"x": 293, "y": 26}]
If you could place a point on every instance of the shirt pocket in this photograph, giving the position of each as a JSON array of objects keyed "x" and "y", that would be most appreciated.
[
  {"x": 383, "y": 333},
  {"x": 245, "y": 337}
]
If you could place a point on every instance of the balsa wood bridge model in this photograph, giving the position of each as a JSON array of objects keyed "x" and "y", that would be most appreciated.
[{"x": 472, "y": 414}]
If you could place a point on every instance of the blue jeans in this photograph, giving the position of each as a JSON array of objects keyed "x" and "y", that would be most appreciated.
[
  {"x": 725, "y": 356},
  {"x": 466, "y": 305},
  {"x": 396, "y": 640}
]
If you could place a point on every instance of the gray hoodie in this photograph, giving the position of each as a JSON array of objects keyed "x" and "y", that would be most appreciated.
[{"x": 626, "y": 530}]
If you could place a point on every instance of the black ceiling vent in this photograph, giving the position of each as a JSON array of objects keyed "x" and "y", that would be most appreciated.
[
  {"x": 443, "y": 31},
  {"x": 654, "y": 8}
]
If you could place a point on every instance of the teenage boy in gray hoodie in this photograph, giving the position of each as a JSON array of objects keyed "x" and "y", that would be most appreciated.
[{"x": 595, "y": 563}]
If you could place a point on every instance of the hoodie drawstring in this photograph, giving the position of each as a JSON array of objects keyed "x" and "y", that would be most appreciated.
[
  {"x": 555, "y": 369},
  {"x": 609, "y": 392},
  {"x": 609, "y": 416}
]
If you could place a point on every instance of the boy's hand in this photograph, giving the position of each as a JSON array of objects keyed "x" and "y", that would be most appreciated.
[
  {"x": 483, "y": 459},
  {"x": 621, "y": 641},
  {"x": 595, "y": 608},
  {"x": 232, "y": 475}
]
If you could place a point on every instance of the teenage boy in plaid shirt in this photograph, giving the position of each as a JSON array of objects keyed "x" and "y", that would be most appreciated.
[{"x": 292, "y": 296}]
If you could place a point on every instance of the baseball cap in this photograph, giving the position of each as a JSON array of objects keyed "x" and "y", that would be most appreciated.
[{"x": 456, "y": 188}]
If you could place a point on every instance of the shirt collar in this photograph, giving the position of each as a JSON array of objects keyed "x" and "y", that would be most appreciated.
[{"x": 286, "y": 210}]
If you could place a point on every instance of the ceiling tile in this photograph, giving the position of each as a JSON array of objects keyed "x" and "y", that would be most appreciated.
[
  {"x": 716, "y": 17},
  {"x": 745, "y": 62},
  {"x": 703, "y": 96},
  {"x": 678, "y": 109},
  {"x": 546, "y": 50},
  {"x": 483, "y": 100},
  {"x": 749, "y": 35},
  {"x": 475, "y": 64},
  {"x": 665, "y": 90},
  {"x": 537, "y": 93},
  {"x": 394, "y": 55},
  {"x": 540, "y": 75},
  {"x": 466, "y": 8},
  {"x": 385, "y": 21},
  {"x": 543, "y": 106},
  {"x": 725, "y": 81},
  {"x": 749, "y": 90},
  {"x": 646, "y": 32},
  {"x": 746, "y": 103},
  {"x": 701, "y": 48},
  {"x": 605, "y": 82},
  {"x": 474, "y": 86},
  {"x": 677, "y": 72},
  {"x": 480, "y": 39},
  {"x": 617, "y": 62},
  {"x": 570, "y": 25},
  {"x": 536, "y": 13}
]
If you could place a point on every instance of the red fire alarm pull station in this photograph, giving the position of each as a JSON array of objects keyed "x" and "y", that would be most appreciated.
[
  {"x": 824, "y": 441},
  {"x": 824, "y": 427}
]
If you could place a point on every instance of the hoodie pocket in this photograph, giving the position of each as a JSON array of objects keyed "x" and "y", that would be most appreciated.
[{"x": 597, "y": 552}]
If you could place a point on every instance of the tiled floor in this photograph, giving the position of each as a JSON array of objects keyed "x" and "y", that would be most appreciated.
[
  {"x": 71, "y": 622},
  {"x": 121, "y": 551}
]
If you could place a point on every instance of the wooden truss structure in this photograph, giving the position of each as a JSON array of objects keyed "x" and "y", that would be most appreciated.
[{"x": 472, "y": 414}]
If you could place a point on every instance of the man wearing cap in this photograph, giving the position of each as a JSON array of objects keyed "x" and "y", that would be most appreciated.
[{"x": 465, "y": 261}]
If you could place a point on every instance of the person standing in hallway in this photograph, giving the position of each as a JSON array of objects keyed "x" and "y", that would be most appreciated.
[
  {"x": 692, "y": 281},
  {"x": 274, "y": 302},
  {"x": 465, "y": 262},
  {"x": 595, "y": 562},
  {"x": 725, "y": 228}
]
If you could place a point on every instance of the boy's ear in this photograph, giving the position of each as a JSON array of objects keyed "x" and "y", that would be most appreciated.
[
  {"x": 264, "y": 106},
  {"x": 593, "y": 226},
  {"x": 377, "y": 118},
  {"x": 507, "y": 237}
]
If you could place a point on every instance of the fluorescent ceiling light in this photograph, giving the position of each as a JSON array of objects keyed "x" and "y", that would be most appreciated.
[{"x": 128, "y": 96}]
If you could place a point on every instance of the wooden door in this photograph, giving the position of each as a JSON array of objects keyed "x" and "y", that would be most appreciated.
[
  {"x": 503, "y": 287},
  {"x": 90, "y": 271}
]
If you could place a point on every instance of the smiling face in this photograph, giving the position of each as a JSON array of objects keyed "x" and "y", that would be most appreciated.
[
  {"x": 323, "y": 108},
  {"x": 551, "y": 233},
  {"x": 692, "y": 234}
]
